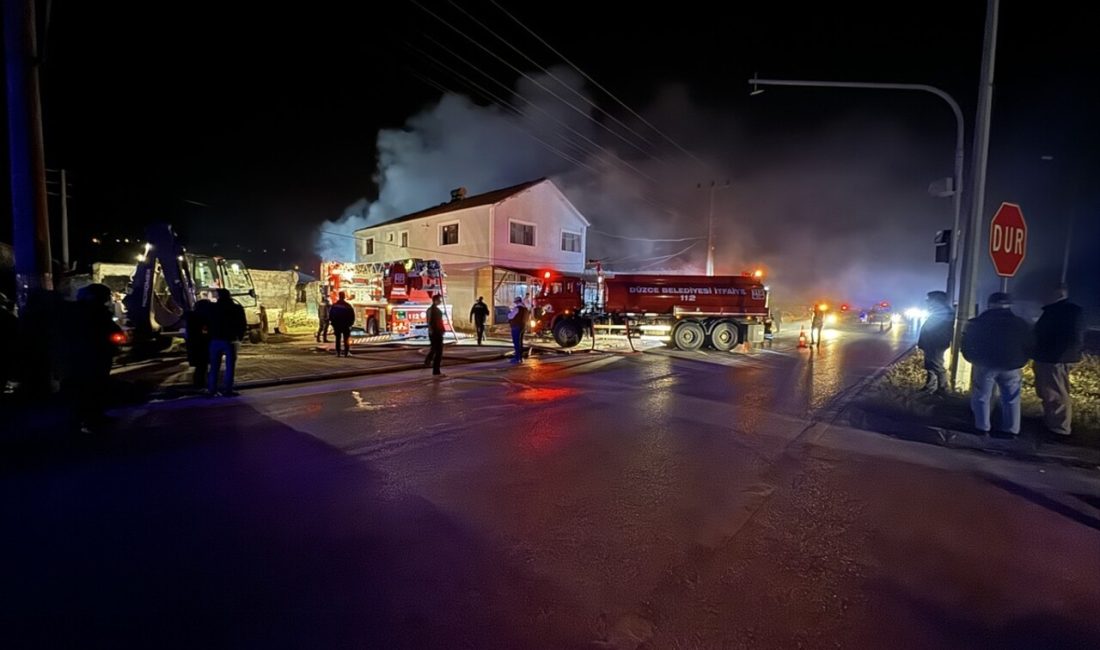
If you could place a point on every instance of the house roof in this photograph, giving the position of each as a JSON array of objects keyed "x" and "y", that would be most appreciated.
[{"x": 488, "y": 198}]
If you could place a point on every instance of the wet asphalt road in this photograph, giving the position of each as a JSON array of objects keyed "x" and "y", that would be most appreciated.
[{"x": 662, "y": 500}]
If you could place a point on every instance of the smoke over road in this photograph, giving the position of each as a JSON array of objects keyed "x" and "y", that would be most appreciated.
[{"x": 839, "y": 212}]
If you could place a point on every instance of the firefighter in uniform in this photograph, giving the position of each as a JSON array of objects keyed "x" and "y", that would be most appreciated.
[
  {"x": 478, "y": 313},
  {"x": 435, "y": 335}
]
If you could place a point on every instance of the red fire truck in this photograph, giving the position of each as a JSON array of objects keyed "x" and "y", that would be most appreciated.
[
  {"x": 690, "y": 310},
  {"x": 388, "y": 297}
]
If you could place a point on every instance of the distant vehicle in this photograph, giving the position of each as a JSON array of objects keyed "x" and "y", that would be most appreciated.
[{"x": 688, "y": 311}]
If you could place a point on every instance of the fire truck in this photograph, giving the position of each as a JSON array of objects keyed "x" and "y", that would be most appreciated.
[
  {"x": 688, "y": 311},
  {"x": 388, "y": 297}
]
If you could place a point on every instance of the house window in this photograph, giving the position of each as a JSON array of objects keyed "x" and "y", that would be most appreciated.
[
  {"x": 448, "y": 234},
  {"x": 521, "y": 233},
  {"x": 570, "y": 242},
  {"x": 389, "y": 237},
  {"x": 368, "y": 246},
  {"x": 405, "y": 239}
]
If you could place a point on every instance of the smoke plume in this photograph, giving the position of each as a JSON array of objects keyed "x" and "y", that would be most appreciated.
[{"x": 839, "y": 213}]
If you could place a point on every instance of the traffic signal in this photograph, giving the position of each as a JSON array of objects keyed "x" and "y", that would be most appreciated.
[{"x": 943, "y": 246}]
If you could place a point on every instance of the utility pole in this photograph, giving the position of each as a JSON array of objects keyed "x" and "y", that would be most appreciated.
[
  {"x": 968, "y": 291},
  {"x": 30, "y": 221},
  {"x": 64, "y": 220}
]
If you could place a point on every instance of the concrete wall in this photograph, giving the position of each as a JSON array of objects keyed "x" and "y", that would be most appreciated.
[{"x": 276, "y": 289}]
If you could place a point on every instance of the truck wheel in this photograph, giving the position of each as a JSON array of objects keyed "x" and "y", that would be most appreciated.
[
  {"x": 372, "y": 326},
  {"x": 724, "y": 336},
  {"x": 255, "y": 335},
  {"x": 688, "y": 335},
  {"x": 566, "y": 333}
]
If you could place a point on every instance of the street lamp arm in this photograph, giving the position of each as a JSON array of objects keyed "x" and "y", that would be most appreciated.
[{"x": 959, "y": 143}]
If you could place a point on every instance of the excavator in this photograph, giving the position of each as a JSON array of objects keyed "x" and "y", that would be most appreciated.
[{"x": 169, "y": 281}]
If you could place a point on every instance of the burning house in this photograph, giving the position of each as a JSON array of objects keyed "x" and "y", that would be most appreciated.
[{"x": 489, "y": 244}]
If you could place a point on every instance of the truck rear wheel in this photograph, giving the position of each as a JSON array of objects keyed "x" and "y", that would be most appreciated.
[
  {"x": 567, "y": 333},
  {"x": 255, "y": 335},
  {"x": 372, "y": 326},
  {"x": 724, "y": 336},
  {"x": 688, "y": 335}
]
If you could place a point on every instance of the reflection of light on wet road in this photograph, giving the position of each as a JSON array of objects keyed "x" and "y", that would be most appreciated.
[{"x": 545, "y": 394}]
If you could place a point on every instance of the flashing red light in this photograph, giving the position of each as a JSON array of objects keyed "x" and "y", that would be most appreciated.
[
  {"x": 118, "y": 338},
  {"x": 546, "y": 275},
  {"x": 844, "y": 308},
  {"x": 884, "y": 304}
]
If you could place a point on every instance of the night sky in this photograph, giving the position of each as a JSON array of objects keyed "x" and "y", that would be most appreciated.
[{"x": 268, "y": 116}]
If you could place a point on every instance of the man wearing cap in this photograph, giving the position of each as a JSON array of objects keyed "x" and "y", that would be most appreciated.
[
  {"x": 935, "y": 338},
  {"x": 517, "y": 318},
  {"x": 998, "y": 343},
  {"x": 435, "y": 334}
]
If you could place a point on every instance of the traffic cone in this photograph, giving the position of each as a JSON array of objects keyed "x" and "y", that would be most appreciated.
[{"x": 801, "y": 337}]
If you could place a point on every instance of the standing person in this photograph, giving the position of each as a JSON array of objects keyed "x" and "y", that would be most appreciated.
[
  {"x": 342, "y": 317},
  {"x": 322, "y": 319},
  {"x": 935, "y": 338},
  {"x": 86, "y": 367},
  {"x": 478, "y": 313},
  {"x": 198, "y": 341},
  {"x": 227, "y": 326},
  {"x": 517, "y": 319},
  {"x": 435, "y": 334},
  {"x": 817, "y": 322},
  {"x": 998, "y": 343},
  {"x": 769, "y": 330},
  {"x": 1059, "y": 339},
  {"x": 9, "y": 335}
]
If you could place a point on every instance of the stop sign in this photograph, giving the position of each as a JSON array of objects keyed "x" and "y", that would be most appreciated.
[{"x": 1007, "y": 239}]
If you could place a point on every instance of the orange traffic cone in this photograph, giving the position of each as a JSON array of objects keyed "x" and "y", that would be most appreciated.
[{"x": 802, "y": 337}]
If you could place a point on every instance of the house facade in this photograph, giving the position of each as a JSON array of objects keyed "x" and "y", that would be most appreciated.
[{"x": 490, "y": 244}]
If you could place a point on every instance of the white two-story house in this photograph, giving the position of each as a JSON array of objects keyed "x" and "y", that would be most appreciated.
[{"x": 489, "y": 244}]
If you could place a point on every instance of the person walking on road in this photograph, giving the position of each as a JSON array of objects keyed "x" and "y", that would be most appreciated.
[
  {"x": 435, "y": 335},
  {"x": 478, "y": 313},
  {"x": 817, "y": 322},
  {"x": 227, "y": 327},
  {"x": 1059, "y": 340},
  {"x": 935, "y": 338},
  {"x": 322, "y": 319},
  {"x": 998, "y": 343},
  {"x": 517, "y": 319},
  {"x": 342, "y": 317}
]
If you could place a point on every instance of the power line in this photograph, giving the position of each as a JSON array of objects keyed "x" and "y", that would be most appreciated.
[
  {"x": 644, "y": 239},
  {"x": 542, "y": 110},
  {"x": 531, "y": 79},
  {"x": 547, "y": 72},
  {"x": 549, "y": 147},
  {"x": 597, "y": 84}
]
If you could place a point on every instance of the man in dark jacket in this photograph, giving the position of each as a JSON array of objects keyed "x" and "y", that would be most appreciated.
[
  {"x": 342, "y": 317},
  {"x": 435, "y": 334},
  {"x": 88, "y": 355},
  {"x": 1059, "y": 339},
  {"x": 198, "y": 341},
  {"x": 226, "y": 326},
  {"x": 935, "y": 338},
  {"x": 478, "y": 313},
  {"x": 517, "y": 319},
  {"x": 998, "y": 343},
  {"x": 817, "y": 322},
  {"x": 322, "y": 319}
]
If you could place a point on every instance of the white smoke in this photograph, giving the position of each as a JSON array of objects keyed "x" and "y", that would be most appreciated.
[{"x": 838, "y": 213}]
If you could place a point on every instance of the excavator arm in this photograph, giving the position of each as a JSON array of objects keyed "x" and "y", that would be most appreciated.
[{"x": 163, "y": 292}]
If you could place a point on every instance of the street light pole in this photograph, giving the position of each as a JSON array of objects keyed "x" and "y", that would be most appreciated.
[
  {"x": 959, "y": 144},
  {"x": 710, "y": 233}
]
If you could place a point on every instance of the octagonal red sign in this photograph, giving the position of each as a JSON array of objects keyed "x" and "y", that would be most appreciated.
[{"x": 1007, "y": 239}]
